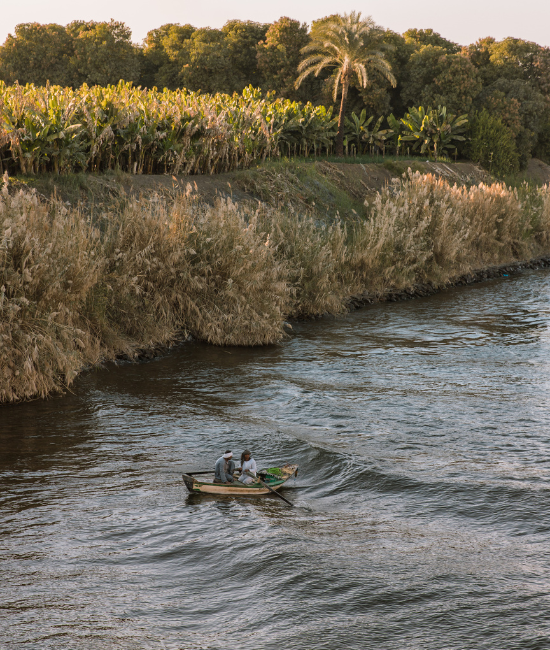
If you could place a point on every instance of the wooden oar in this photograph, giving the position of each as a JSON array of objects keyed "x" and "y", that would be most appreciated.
[{"x": 270, "y": 489}]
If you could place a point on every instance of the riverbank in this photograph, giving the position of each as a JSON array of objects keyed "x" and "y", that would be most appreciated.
[
  {"x": 429, "y": 288},
  {"x": 121, "y": 273}
]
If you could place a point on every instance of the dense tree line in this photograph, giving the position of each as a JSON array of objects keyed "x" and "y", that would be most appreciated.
[{"x": 510, "y": 79}]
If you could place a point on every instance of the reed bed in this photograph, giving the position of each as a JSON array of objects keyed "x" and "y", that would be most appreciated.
[
  {"x": 425, "y": 229},
  {"x": 77, "y": 289},
  {"x": 56, "y": 129}
]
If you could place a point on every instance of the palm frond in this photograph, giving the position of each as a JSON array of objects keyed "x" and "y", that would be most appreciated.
[{"x": 349, "y": 43}]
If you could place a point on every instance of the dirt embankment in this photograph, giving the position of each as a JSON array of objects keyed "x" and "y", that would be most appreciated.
[
  {"x": 330, "y": 187},
  {"x": 538, "y": 171},
  {"x": 357, "y": 180},
  {"x": 326, "y": 187}
]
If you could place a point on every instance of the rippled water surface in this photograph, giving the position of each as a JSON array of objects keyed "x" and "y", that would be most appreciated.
[{"x": 422, "y": 518}]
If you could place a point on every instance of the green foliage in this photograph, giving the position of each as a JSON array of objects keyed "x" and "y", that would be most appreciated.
[
  {"x": 207, "y": 66},
  {"x": 375, "y": 137},
  {"x": 351, "y": 46},
  {"x": 395, "y": 132},
  {"x": 358, "y": 133},
  {"x": 378, "y": 96},
  {"x": 279, "y": 55},
  {"x": 492, "y": 145},
  {"x": 241, "y": 40},
  {"x": 433, "y": 76},
  {"x": 433, "y": 130},
  {"x": 513, "y": 58},
  {"x": 37, "y": 54},
  {"x": 479, "y": 54},
  {"x": 103, "y": 53},
  {"x": 521, "y": 107},
  {"x": 83, "y": 52},
  {"x": 356, "y": 128},
  {"x": 211, "y": 60},
  {"x": 162, "y": 56},
  {"x": 541, "y": 72},
  {"x": 421, "y": 37},
  {"x": 373, "y": 69},
  {"x": 542, "y": 149}
]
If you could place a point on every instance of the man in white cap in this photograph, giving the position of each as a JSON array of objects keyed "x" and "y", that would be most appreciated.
[{"x": 224, "y": 468}]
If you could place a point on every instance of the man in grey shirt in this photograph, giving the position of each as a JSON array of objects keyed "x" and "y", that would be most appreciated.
[{"x": 224, "y": 468}]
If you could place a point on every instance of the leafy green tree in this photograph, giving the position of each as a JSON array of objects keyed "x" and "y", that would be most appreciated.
[
  {"x": 479, "y": 52},
  {"x": 379, "y": 97},
  {"x": 207, "y": 59},
  {"x": 37, "y": 54},
  {"x": 162, "y": 56},
  {"x": 398, "y": 55},
  {"x": 241, "y": 40},
  {"x": 103, "y": 53},
  {"x": 422, "y": 37},
  {"x": 542, "y": 149},
  {"x": 511, "y": 58},
  {"x": 514, "y": 58},
  {"x": 521, "y": 107},
  {"x": 353, "y": 47},
  {"x": 541, "y": 80},
  {"x": 433, "y": 76},
  {"x": 207, "y": 64},
  {"x": 278, "y": 56}
]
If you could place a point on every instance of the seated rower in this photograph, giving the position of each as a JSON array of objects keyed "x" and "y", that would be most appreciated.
[
  {"x": 247, "y": 468},
  {"x": 224, "y": 468}
]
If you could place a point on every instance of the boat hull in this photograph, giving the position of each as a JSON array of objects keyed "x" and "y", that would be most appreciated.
[{"x": 239, "y": 489}]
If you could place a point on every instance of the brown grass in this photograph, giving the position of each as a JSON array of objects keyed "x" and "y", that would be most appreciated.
[{"x": 76, "y": 289}]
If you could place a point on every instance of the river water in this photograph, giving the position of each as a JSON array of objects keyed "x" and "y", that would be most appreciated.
[{"x": 422, "y": 505}]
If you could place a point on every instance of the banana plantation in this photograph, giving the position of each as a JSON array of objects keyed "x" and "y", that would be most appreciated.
[
  {"x": 61, "y": 130},
  {"x": 55, "y": 129}
]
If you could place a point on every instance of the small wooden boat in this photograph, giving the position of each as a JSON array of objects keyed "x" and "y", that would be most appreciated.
[{"x": 274, "y": 477}]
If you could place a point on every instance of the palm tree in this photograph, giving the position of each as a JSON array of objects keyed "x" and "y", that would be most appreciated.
[{"x": 351, "y": 46}]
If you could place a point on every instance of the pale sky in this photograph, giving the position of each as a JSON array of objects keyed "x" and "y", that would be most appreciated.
[{"x": 463, "y": 22}]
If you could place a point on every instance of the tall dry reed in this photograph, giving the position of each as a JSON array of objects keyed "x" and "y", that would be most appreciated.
[
  {"x": 50, "y": 259},
  {"x": 425, "y": 229},
  {"x": 76, "y": 289}
]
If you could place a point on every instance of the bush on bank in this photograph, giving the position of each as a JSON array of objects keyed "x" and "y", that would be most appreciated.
[
  {"x": 76, "y": 289},
  {"x": 492, "y": 145}
]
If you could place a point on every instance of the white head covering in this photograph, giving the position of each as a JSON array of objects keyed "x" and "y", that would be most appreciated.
[{"x": 228, "y": 454}]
